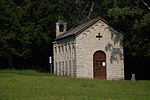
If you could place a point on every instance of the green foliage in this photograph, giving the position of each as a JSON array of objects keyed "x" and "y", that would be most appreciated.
[
  {"x": 134, "y": 22},
  {"x": 126, "y": 15},
  {"x": 144, "y": 22},
  {"x": 24, "y": 30},
  {"x": 27, "y": 27},
  {"x": 30, "y": 85}
]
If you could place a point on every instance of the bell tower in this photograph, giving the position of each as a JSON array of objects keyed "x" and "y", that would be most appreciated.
[{"x": 61, "y": 27}]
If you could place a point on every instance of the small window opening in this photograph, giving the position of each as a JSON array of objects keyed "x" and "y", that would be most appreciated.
[{"x": 61, "y": 28}]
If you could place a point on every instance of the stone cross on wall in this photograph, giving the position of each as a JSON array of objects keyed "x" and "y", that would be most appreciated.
[{"x": 99, "y": 36}]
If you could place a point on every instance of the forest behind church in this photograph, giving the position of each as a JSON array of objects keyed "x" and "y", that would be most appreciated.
[{"x": 27, "y": 30}]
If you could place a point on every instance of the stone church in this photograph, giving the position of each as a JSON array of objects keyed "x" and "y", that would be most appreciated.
[{"x": 91, "y": 50}]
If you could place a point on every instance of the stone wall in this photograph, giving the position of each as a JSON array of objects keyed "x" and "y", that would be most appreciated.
[
  {"x": 87, "y": 44},
  {"x": 64, "y": 57},
  {"x": 73, "y": 56}
]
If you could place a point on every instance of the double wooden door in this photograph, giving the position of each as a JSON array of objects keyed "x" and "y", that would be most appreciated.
[{"x": 99, "y": 65}]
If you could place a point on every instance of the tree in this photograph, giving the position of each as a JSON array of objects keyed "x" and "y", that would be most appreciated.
[
  {"x": 28, "y": 27},
  {"x": 134, "y": 21},
  {"x": 22, "y": 35}
]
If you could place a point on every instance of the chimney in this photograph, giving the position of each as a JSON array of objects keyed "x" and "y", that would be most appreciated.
[{"x": 61, "y": 27}]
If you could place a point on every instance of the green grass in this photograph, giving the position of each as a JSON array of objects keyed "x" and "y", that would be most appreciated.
[{"x": 32, "y": 85}]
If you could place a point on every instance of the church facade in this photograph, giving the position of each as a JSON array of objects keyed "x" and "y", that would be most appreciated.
[{"x": 91, "y": 50}]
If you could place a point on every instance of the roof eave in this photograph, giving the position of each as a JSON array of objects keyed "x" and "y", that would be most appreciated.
[{"x": 64, "y": 37}]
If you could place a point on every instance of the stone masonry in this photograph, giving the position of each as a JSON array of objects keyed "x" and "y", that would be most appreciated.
[{"x": 74, "y": 50}]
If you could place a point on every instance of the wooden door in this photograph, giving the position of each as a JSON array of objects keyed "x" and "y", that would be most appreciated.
[{"x": 99, "y": 65}]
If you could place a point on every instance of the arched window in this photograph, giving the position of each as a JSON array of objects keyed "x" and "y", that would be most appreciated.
[
  {"x": 62, "y": 48},
  {"x": 61, "y": 28},
  {"x": 65, "y": 48},
  {"x": 60, "y": 68},
  {"x": 69, "y": 51},
  {"x": 70, "y": 67},
  {"x": 59, "y": 49},
  {"x": 66, "y": 68},
  {"x": 56, "y": 68},
  {"x": 55, "y": 49}
]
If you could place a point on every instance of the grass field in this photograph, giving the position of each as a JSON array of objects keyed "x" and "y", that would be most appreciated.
[{"x": 31, "y": 85}]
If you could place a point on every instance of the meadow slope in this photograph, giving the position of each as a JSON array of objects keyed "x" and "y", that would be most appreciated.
[{"x": 31, "y": 85}]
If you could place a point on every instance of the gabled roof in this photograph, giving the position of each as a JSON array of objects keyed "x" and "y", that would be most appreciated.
[{"x": 79, "y": 28}]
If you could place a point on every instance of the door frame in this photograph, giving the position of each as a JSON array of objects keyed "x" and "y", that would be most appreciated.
[{"x": 105, "y": 62}]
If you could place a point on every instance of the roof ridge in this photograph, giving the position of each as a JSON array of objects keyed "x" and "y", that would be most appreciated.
[{"x": 77, "y": 30}]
